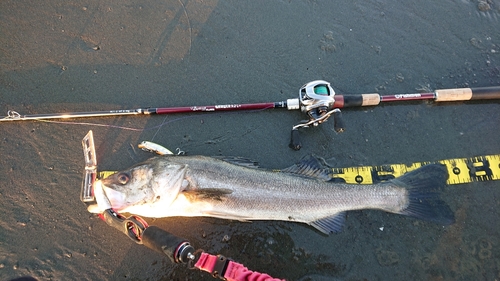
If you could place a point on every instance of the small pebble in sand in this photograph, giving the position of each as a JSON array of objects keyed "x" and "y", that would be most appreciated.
[
  {"x": 400, "y": 78},
  {"x": 483, "y": 6},
  {"x": 327, "y": 42}
]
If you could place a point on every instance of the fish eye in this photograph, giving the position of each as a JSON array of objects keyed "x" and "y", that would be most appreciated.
[{"x": 123, "y": 178}]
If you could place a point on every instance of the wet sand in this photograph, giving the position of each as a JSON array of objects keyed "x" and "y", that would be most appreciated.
[{"x": 95, "y": 55}]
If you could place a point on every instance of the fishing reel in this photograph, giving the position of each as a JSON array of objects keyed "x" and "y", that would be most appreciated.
[{"x": 317, "y": 100}]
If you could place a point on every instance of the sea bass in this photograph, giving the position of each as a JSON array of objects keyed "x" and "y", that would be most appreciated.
[{"x": 234, "y": 188}]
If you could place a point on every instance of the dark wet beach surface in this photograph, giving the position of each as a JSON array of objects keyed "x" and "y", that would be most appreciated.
[{"x": 94, "y": 55}]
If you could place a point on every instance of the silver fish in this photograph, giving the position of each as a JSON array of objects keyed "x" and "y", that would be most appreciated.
[{"x": 234, "y": 188}]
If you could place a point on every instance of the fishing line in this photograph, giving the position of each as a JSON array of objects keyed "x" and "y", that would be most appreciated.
[
  {"x": 92, "y": 124},
  {"x": 164, "y": 120}
]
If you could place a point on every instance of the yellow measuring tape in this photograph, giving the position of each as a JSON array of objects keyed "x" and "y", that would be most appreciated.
[{"x": 461, "y": 170}]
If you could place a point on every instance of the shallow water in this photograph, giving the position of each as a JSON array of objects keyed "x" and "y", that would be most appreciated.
[{"x": 95, "y": 55}]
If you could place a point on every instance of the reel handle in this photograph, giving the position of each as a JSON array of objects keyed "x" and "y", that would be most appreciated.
[
  {"x": 295, "y": 143},
  {"x": 338, "y": 121},
  {"x": 338, "y": 125}
]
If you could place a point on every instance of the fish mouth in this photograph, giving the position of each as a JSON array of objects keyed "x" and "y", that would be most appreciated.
[
  {"x": 94, "y": 193},
  {"x": 113, "y": 197},
  {"x": 105, "y": 198},
  {"x": 101, "y": 201}
]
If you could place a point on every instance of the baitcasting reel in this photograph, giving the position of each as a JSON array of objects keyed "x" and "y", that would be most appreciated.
[{"x": 316, "y": 99}]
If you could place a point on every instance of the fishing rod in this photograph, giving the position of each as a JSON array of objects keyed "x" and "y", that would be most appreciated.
[{"x": 316, "y": 99}]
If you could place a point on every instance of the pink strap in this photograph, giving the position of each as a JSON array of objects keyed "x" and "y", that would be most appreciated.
[
  {"x": 206, "y": 262},
  {"x": 237, "y": 272},
  {"x": 233, "y": 271}
]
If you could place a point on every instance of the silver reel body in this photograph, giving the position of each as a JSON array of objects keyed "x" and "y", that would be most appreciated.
[{"x": 316, "y": 99}]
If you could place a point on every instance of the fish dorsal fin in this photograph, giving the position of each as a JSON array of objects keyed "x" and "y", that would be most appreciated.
[
  {"x": 310, "y": 166},
  {"x": 240, "y": 161},
  {"x": 330, "y": 224}
]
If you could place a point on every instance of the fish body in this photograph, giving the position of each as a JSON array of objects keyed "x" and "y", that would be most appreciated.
[{"x": 192, "y": 186}]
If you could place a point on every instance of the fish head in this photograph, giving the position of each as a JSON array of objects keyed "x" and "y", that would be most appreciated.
[{"x": 141, "y": 187}]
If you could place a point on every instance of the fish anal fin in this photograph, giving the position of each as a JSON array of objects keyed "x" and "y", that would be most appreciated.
[{"x": 330, "y": 224}]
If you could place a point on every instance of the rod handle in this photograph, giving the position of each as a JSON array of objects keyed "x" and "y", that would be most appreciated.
[
  {"x": 356, "y": 100},
  {"x": 176, "y": 248},
  {"x": 463, "y": 94},
  {"x": 453, "y": 94}
]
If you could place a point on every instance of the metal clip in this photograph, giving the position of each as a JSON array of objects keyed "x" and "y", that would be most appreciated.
[
  {"x": 132, "y": 226},
  {"x": 90, "y": 172},
  {"x": 220, "y": 267}
]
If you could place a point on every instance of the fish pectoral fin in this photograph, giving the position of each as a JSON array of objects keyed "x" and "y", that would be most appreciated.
[
  {"x": 216, "y": 194},
  {"x": 330, "y": 224}
]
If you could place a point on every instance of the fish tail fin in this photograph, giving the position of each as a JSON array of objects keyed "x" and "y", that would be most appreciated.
[{"x": 424, "y": 185}]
